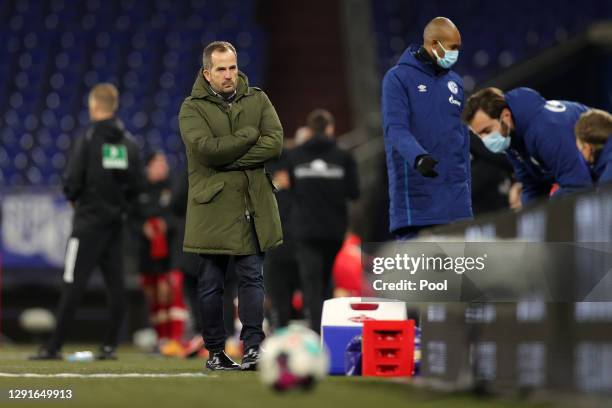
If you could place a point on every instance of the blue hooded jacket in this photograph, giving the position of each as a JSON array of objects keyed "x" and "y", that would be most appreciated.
[
  {"x": 602, "y": 171},
  {"x": 421, "y": 109},
  {"x": 543, "y": 146}
]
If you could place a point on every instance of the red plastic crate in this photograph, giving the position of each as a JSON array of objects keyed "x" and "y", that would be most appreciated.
[{"x": 388, "y": 348}]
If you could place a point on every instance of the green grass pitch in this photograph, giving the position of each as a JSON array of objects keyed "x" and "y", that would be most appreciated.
[{"x": 207, "y": 389}]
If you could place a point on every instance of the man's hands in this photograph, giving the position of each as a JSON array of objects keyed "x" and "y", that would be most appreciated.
[
  {"x": 281, "y": 180},
  {"x": 425, "y": 165}
]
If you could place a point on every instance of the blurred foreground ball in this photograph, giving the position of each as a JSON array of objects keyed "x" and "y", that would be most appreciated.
[
  {"x": 293, "y": 358},
  {"x": 37, "y": 320}
]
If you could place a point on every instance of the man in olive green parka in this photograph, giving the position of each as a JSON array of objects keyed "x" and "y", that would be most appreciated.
[{"x": 230, "y": 130}]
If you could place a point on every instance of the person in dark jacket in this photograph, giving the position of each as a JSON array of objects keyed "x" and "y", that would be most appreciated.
[
  {"x": 323, "y": 179},
  {"x": 594, "y": 140},
  {"x": 155, "y": 225},
  {"x": 426, "y": 144},
  {"x": 282, "y": 276},
  {"x": 102, "y": 180},
  {"x": 230, "y": 130},
  {"x": 162, "y": 284},
  {"x": 537, "y": 136},
  {"x": 185, "y": 262}
]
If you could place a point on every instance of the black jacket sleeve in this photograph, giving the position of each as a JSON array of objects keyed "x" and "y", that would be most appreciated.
[
  {"x": 134, "y": 187},
  {"x": 352, "y": 177},
  {"x": 137, "y": 183},
  {"x": 180, "y": 188},
  {"x": 75, "y": 172}
]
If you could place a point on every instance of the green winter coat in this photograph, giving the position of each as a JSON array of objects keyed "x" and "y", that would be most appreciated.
[{"x": 227, "y": 146}]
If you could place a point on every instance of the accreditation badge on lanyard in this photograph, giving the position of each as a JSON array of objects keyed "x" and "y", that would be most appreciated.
[{"x": 114, "y": 157}]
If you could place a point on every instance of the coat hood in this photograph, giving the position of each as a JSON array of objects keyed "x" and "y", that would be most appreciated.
[
  {"x": 524, "y": 103},
  {"x": 409, "y": 57},
  {"x": 110, "y": 129}
]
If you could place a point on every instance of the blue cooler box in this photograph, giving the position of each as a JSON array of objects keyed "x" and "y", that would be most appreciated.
[{"x": 343, "y": 319}]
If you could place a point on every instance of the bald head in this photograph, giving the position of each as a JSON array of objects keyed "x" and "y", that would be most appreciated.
[
  {"x": 440, "y": 28},
  {"x": 441, "y": 31}
]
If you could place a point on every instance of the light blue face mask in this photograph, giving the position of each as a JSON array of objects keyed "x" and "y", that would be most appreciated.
[
  {"x": 495, "y": 142},
  {"x": 450, "y": 57}
]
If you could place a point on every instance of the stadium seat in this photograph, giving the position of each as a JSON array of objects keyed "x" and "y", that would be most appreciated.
[
  {"x": 53, "y": 53},
  {"x": 519, "y": 30}
]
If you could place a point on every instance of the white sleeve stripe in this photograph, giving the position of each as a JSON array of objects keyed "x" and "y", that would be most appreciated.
[{"x": 71, "y": 255}]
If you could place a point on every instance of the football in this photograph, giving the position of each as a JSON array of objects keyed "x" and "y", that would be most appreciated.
[{"x": 293, "y": 358}]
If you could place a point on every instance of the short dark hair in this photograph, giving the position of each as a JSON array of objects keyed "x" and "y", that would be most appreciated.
[
  {"x": 222, "y": 46},
  {"x": 490, "y": 100},
  {"x": 318, "y": 120},
  {"x": 594, "y": 126},
  {"x": 152, "y": 154}
]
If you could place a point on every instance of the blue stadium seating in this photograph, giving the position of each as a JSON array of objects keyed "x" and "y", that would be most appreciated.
[
  {"x": 54, "y": 51},
  {"x": 495, "y": 34}
]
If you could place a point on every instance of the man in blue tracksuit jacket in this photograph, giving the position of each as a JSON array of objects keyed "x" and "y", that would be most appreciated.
[
  {"x": 594, "y": 140},
  {"x": 537, "y": 136},
  {"x": 426, "y": 144}
]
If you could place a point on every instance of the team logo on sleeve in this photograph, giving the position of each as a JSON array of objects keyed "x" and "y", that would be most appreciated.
[
  {"x": 452, "y": 86},
  {"x": 114, "y": 157},
  {"x": 555, "y": 106}
]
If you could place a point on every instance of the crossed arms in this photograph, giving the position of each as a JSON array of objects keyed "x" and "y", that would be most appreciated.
[{"x": 246, "y": 148}]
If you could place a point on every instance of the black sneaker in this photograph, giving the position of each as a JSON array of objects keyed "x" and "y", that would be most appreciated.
[
  {"x": 46, "y": 354},
  {"x": 107, "y": 353},
  {"x": 250, "y": 359},
  {"x": 218, "y": 360}
]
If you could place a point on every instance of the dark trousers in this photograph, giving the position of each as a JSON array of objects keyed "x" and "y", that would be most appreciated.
[
  {"x": 211, "y": 288},
  {"x": 190, "y": 289},
  {"x": 316, "y": 260},
  {"x": 85, "y": 251}
]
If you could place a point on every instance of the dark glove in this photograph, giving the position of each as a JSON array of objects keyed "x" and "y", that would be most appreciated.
[{"x": 425, "y": 165}]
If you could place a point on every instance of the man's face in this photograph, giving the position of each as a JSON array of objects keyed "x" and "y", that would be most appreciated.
[
  {"x": 157, "y": 169},
  {"x": 96, "y": 110},
  {"x": 92, "y": 106},
  {"x": 483, "y": 125},
  {"x": 587, "y": 150},
  {"x": 440, "y": 46},
  {"x": 223, "y": 75},
  {"x": 449, "y": 40}
]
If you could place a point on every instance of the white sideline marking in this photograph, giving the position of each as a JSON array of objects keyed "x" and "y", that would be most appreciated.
[{"x": 105, "y": 375}]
